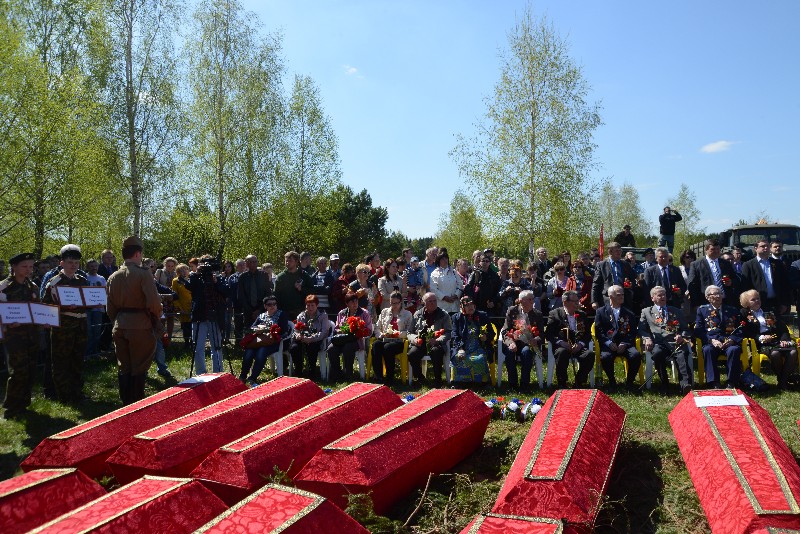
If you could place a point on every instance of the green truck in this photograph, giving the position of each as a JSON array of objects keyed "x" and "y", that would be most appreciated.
[{"x": 747, "y": 235}]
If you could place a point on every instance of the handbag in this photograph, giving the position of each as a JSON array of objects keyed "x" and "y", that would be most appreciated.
[
  {"x": 752, "y": 382},
  {"x": 341, "y": 339},
  {"x": 256, "y": 340}
]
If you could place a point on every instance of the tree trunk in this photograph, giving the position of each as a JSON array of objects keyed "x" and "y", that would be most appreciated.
[{"x": 130, "y": 112}]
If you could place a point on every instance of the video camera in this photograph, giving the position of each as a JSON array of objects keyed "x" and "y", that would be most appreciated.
[{"x": 209, "y": 266}]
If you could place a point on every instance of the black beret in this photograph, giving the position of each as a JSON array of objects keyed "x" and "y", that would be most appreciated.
[{"x": 21, "y": 257}]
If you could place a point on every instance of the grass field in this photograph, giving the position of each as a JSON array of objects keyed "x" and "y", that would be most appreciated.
[{"x": 649, "y": 489}]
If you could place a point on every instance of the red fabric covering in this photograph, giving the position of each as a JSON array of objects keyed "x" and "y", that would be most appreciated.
[
  {"x": 151, "y": 504},
  {"x": 35, "y": 498},
  {"x": 506, "y": 524},
  {"x": 562, "y": 468},
  {"x": 239, "y": 468},
  {"x": 744, "y": 473},
  {"x": 277, "y": 508},
  {"x": 87, "y": 446},
  {"x": 177, "y": 447},
  {"x": 394, "y": 454}
]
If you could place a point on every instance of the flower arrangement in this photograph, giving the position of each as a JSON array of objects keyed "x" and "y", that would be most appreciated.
[
  {"x": 676, "y": 289},
  {"x": 428, "y": 335},
  {"x": 355, "y": 326},
  {"x": 626, "y": 284}
]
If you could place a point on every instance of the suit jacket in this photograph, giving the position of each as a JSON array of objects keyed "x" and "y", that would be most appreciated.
[
  {"x": 535, "y": 318},
  {"x": 700, "y": 277},
  {"x": 604, "y": 278},
  {"x": 720, "y": 324},
  {"x": 654, "y": 277},
  {"x": 262, "y": 286},
  {"x": 652, "y": 325},
  {"x": 753, "y": 278},
  {"x": 607, "y": 330},
  {"x": 557, "y": 322}
]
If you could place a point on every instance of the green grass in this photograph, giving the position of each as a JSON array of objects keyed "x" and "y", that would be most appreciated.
[{"x": 649, "y": 489}]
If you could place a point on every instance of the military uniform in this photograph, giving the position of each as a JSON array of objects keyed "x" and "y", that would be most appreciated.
[
  {"x": 68, "y": 342},
  {"x": 22, "y": 344},
  {"x": 135, "y": 308}
]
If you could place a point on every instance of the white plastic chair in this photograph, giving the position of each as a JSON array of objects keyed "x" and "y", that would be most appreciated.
[
  {"x": 276, "y": 358},
  {"x": 425, "y": 359},
  {"x": 648, "y": 373},
  {"x": 551, "y": 364},
  {"x": 501, "y": 359}
]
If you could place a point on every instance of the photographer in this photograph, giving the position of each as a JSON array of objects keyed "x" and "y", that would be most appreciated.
[
  {"x": 208, "y": 312},
  {"x": 666, "y": 222}
]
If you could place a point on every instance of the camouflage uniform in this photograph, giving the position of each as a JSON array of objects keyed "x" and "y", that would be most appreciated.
[
  {"x": 22, "y": 348},
  {"x": 67, "y": 343}
]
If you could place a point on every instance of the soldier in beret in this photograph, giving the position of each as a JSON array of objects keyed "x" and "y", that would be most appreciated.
[
  {"x": 21, "y": 340},
  {"x": 68, "y": 342},
  {"x": 135, "y": 308}
]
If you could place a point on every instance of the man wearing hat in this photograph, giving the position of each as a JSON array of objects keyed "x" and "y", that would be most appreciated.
[
  {"x": 68, "y": 342},
  {"x": 21, "y": 340},
  {"x": 333, "y": 266},
  {"x": 135, "y": 308},
  {"x": 625, "y": 238}
]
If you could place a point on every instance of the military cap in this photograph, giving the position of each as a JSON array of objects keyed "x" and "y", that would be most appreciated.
[
  {"x": 648, "y": 251},
  {"x": 132, "y": 241},
  {"x": 70, "y": 252},
  {"x": 21, "y": 257}
]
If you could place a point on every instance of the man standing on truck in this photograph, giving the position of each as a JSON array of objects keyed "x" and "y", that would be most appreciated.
[{"x": 666, "y": 222}]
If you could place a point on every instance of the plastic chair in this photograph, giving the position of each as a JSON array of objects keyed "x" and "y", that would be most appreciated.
[
  {"x": 616, "y": 357},
  {"x": 701, "y": 365},
  {"x": 649, "y": 366},
  {"x": 276, "y": 358},
  {"x": 551, "y": 364},
  {"x": 501, "y": 359},
  {"x": 403, "y": 356},
  {"x": 425, "y": 359}
]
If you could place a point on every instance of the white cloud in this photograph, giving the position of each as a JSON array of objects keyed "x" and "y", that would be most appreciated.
[
  {"x": 781, "y": 188},
  {"x": 350, "y": 70},
  {"x": 717, "y": 146}
]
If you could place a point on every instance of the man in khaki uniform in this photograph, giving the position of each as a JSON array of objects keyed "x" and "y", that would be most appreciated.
[{"x": 135, "y": 308}]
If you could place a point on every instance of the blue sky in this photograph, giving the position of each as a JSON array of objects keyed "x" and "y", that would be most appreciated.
[{"x": 704, "y": 93}]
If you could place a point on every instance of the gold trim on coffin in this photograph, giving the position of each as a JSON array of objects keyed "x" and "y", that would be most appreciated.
[
  {"x": 779, "y": 476},
  {"x": 229, "y": 447},
  {"x": 212, "y": 417},
  {"x": 781, "y": 530},
  {"x": 317, "y": 501},
  {"x": 54, "y": 474},
  {"x": 573, "y": 442},
  {"x": 478, "y": 522},
  {"x": 180, "y": 483},
  {"x": 333, "y": 446}
]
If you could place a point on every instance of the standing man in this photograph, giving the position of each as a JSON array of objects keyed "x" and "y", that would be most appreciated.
[
  {"x": 542, "y": 263},
  {"x": 768, "y": 276},
  {"x": 666, "y": 334},
  {"x": 233, "y": 295},
  {"x": 253, "y": 285},
  {"x": 292, "y": 286},
  {"x": 68, "y": 342},
  {"x": 712, "y": 270},
  {"x": 334, "y": 268},
  {"x": 135, "y": 308},
  {"x": 95, "y": 315},
  {"x": 666, "y": 227},
  {"x": 21, "y": 340},
  {"x": 107, "y": 267},
  {"x": 610, "y": 272},
  {"x": 666, "y": 275},
  {"x": 483, "y": 286}
]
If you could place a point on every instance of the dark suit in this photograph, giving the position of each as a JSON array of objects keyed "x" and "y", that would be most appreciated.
[
  {"x": 700, "y": 277},
  {"x": 653, "y": 276},
  {"x": 251, "y": 289},
  {"x": 753, "y": 278},
  {"x": 720, "y": 324},
  {"x": 604, "y": 278},
  {"x": 562, "y": 338},
  {"x": 608, "y": 331},
  {"x": 662, "y": 330},
  {"x": 524, "y": 352}
]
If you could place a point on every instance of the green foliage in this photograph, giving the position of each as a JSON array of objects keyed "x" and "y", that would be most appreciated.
[
  {"x": 688, "y": 231},
  {"x": 461, "y": 230}
]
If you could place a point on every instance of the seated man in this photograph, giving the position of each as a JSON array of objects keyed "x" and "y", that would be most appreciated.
[
  {"x": 422, "y": 339},
  {"x": 522, "y": 334},
  {"x": 665, "y": 333},
  {"x": 569, "y": 331},
  {"x": 718, "y": 326},
  {"x": 615, "y": 327}
]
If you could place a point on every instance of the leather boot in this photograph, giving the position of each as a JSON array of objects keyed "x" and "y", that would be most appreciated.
[
  {"x": 137, "y": 387},
  {"x": 124, "y": 388}
]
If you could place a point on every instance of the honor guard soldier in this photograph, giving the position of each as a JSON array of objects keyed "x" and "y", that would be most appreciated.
[
  {"x": 68, "y": 342},
  {"x": 21, "y": 340},
  {"x": 135, "y": 308}
]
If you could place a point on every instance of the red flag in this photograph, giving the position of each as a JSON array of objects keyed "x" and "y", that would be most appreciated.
[{"x": 602, "y": 247}]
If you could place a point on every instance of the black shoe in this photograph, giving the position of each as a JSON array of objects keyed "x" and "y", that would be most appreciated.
[
  {"x": 165, "y": 373},
  {"x": 15, "y": 415},
  {"x": 715, "y": 385},
  {"x": 685, "y": 390},
  {"x": 633, "y": 389}
]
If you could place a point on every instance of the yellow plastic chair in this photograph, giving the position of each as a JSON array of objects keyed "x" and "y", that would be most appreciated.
[
  {"x": 701, "y": 364},
  {"x": 403, "y": 357},
  {"x": 616, "y": 357}
]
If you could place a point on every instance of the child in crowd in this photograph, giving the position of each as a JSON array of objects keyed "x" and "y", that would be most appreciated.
[{"x": 415, "y": 282}]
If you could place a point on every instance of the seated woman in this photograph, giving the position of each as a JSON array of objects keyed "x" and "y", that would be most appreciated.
[
  {"x": 263, "y": 323},
  {"x": 310, "y": 331},
  {"x": 772, "y": 337},
  {"x": 510, "y": 289},
  {"x": 348, "y": 346},
  {"x": 471, "y": 343},
  {"x": 391, "y": 331}
]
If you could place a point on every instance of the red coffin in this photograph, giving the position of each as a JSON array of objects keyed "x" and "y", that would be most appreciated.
[
  {"x": 35, "y": 498},
  {"x": 508, "y": 524},
  {"x": 277, "y": 508},
  {"x": 87, "y": 446},
  {"x": 562, "y": 468},
  {"x": 151, "y": 504},
  {"x": 744, "y": 473},
  {"x": 177, "y": 447},
  {"x": 239, "y": 468},
  {"x": 394, "y": 454}
]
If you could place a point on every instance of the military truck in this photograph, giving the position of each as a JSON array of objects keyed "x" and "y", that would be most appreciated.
[{"x": 746, "y": 236}]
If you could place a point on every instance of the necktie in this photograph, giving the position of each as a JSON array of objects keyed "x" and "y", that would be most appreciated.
[
  {"x": 715, "y": 272},
  {"x": 615, "y": 269},
  {"x": 665, "y": 276}
]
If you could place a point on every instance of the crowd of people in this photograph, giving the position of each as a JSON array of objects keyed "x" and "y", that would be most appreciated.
[{"x": 452, "y": 312}]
